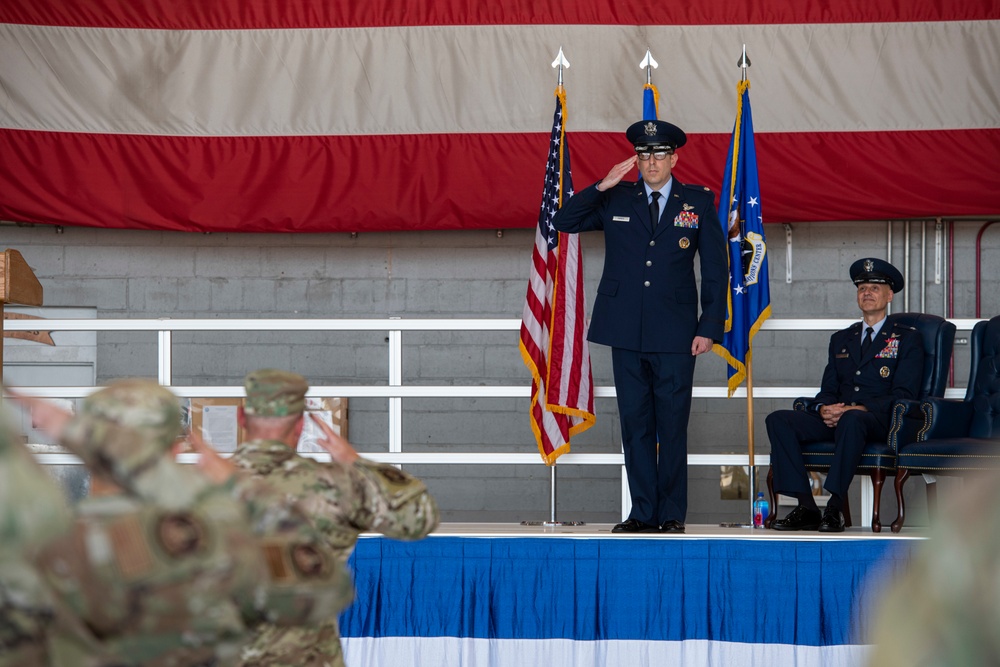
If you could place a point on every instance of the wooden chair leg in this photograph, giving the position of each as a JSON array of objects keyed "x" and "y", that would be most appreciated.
[
  {"x": 773, "y": 498},
  {"x": 901, "y": 477},
  {"x": 878, "y": 481},
  {"x": 847, "y": 512}
]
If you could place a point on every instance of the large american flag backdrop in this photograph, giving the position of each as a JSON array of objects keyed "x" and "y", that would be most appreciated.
[{"x": 338, "y": 115}]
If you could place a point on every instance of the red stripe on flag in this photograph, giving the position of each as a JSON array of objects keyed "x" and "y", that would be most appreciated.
[
  {"x": 259, "y": 14},
  {"x": 340, "y": 183}
]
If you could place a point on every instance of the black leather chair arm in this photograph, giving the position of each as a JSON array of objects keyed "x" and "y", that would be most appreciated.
[
  {"x": 907, "y": 422},
  {"x": 805, "y": 403},
  {"x": 944, "y": 418}
]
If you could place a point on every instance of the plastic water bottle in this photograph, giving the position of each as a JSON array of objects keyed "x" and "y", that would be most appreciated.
[{"x": 760, "y": 510}]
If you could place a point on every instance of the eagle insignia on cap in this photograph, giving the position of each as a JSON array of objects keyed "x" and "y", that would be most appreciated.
[
  {"x": 650, "y": 129},
  {"x": 869, "y": 265}
]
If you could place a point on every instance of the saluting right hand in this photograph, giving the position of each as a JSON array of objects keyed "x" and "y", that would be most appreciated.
[
  {"x": 339, "y": 449},
  {"x": 210, "y": 463},
  {"x": 617, "y": 173},
  {"x": 46, "y": 416}
]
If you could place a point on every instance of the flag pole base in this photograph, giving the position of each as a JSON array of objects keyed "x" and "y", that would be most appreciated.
[{"x": 553, "y": 523}]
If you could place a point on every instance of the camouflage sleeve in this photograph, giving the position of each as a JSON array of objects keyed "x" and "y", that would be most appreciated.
[
  {"x": 306, "y": 582},
  {"x": 25, "y": 612},
  {"x": 398, "y": 503},
  {"x": 146, "y": 472},
  {"x": 33, "y": 509}
]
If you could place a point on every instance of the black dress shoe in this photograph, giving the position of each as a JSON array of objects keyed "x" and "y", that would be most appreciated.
[
  {"x": 833, "y": 521},
  {"x": 800, "y": 518},
  {"x": 672, "y": 526},
  {"x": 634, "y": 526}
]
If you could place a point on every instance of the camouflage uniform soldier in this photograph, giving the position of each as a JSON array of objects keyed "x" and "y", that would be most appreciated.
[
  {"x": 172, "y": 574},
  {"x": 344, "y": 498},
  {"x": 943, "y": 609},
  {"x": 32, "y": 511}
]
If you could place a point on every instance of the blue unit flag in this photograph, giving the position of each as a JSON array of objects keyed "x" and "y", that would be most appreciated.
[{"x": 743, "y": 224}]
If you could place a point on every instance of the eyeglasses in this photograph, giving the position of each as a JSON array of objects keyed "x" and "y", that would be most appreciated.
[{"x": 659, "y": 155}]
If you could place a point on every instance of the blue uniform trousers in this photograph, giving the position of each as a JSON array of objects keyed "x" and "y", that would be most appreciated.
[
  {"x": 654, "y": 404},
  {"x": 789, "y": 429}
]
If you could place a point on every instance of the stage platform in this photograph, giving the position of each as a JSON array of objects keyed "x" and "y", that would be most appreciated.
[
  {"x": 692, "y": 531},
  {"x": 506, "y": 595}
]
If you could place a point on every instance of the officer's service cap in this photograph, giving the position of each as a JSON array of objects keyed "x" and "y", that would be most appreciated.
[
  {"x": 655, "y": 135},
  {"x": 873, "y": 270},
  {"x": 142, "y": 405},
  {"x": 275, "y": 393}
]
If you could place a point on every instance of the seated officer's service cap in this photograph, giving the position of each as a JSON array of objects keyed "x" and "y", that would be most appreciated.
[
  {"x": 274, "y": 393},
  {"x": 872, "y": 270},
  {"x": 655, "y": 135}
]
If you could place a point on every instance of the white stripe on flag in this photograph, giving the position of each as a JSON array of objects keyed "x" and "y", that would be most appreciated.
[{"x": 487, "y": 78}]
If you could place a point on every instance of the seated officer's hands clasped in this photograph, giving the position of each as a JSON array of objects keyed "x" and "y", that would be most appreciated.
[{"x": 831, "y": 414}]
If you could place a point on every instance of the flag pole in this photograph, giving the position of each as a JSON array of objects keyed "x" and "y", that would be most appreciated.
[
  {"x": 743, "y": 64},
  {"x": 559, "y": 64},
  {"x": 649, "y": 65}
]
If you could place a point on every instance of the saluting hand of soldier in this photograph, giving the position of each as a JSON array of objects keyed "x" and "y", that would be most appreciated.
[
  {"x": 617, "y": 173},
  {"x": 46, "y": 416},
  {"x": 340, "y": 450},
  {"x": 214, "y": 466}
]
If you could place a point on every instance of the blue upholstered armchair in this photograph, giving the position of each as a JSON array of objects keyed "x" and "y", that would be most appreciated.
[
  {"x": 958, "y": 437},
  {"x": 879, "y": 457}
]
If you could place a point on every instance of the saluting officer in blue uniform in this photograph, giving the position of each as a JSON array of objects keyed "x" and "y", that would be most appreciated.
[
  {"x": 860, "y": 383},
  {"x": 646, "y": 310}
]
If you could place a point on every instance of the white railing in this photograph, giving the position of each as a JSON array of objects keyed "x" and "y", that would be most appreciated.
[{"x": 396, "y": 391}]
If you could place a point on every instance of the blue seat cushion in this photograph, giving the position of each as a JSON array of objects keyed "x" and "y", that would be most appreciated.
[
  {"x": 944, "y": 454},
  {"x": 819, "y": 456}
]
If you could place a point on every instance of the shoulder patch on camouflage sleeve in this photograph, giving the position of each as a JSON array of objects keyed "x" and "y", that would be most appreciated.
[
  {"x": 180, "y": 534},
  {"x": 397, "y": 487}
]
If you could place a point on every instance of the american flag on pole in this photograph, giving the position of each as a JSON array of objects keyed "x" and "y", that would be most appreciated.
[
  {"x": 743, "y": 224},
  {"x": 553, "y": 327}
]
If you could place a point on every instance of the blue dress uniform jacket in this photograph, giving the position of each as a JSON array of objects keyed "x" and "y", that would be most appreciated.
[
  {"x": 647, "y": 300},
  {"x": 891, "y": 369},
  {"x": 646, "y": 310}
]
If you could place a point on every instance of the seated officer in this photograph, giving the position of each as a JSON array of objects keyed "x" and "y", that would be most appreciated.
[{"x": 870, "y": 365}]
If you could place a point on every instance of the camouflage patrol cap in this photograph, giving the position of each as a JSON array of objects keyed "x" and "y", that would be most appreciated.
[
  {"x": 275, "y": 393},
  {"x": 141, "y": 405}
]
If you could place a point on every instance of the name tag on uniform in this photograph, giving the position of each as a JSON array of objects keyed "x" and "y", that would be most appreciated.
[
  {"x": 620, "y": 218},
  {"x": 841, "y": 356}
]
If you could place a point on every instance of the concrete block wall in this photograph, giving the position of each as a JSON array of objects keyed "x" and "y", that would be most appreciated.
[{"x": 139, "y": 274}]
